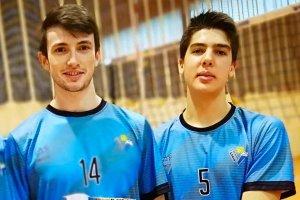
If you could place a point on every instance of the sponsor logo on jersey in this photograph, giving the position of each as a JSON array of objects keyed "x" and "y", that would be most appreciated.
[
  {"x": 123, "y": 141},
  {"x": 238, "y": 154},
  {"x": 42, "y": 154},
  {"x": 167, "y": 163}
]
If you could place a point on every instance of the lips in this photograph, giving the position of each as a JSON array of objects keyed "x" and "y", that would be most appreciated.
[
  {"x": 205, "y": 76},
  {"x": 73, "y": 75}
]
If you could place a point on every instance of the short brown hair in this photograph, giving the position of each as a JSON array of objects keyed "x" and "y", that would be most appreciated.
[{"x": 73, "y": 18}]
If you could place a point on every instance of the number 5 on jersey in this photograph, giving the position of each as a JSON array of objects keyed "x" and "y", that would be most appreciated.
[{"x": 204, "y": 182}]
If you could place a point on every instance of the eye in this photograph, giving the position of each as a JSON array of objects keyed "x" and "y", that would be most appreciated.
[
  {"x": 221, "y": 52},
  {"x": 60, "y": 50},
  {"x": 198, "y": 51},
  {"x": 84, "y": 48}
]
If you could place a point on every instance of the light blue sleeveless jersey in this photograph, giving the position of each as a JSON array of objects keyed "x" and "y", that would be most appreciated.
[
  {"x": 245, "y": 151},
  {"x": 104, "y": 152}
]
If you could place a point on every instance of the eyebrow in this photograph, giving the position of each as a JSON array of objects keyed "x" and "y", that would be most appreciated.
[
  {"x": 85, "y": 42},
  {"x": 81, "y": 42},
  {"x": 59, "y": 44},
  {"x": 214, "y": 45}
]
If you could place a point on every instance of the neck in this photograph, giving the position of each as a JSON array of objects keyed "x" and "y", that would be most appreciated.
[
  {"x": 84, "y": 100},
  {"x": 205, "y": 109}
]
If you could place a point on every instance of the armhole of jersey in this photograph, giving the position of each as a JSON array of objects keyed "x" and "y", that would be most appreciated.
[
  {"x": 162, "y": 189},
  {"x": 287, "y": 187}
]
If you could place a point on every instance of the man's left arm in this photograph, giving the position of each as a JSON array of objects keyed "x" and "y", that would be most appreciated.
[{"x": 270, "y": 175}]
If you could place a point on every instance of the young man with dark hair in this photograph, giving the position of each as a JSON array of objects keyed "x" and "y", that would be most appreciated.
[
  {"x": 214, "y": 150},
  {"x": 80, "y": 146}
]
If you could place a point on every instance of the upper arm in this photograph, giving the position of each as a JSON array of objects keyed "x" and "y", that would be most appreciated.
[
  {"x": 153, "y": 175},
  {"x": 261, "y": 195},
  {"x": 271, "y": 165}
]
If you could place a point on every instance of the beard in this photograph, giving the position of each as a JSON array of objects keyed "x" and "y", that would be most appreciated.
[{"x": 72, "y": 86}]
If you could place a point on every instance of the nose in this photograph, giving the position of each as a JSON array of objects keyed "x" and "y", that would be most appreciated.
[
  {"x": 72, "y": 61},
  {"x": 207, "y": 60}
]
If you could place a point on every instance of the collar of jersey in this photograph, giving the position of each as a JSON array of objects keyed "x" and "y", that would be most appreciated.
[
  {"x": 209, "y": 128},
  {"x": 76, "y": 114}
]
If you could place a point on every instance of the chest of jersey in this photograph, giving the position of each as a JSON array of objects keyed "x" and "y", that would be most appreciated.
[
  {"x": 210, "y": 162},
  {"x": 85, "y": 156}
]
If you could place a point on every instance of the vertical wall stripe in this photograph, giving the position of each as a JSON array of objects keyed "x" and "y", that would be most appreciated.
[
  {"x": 61, "y": 2},
  {"x": 43, "y": 16},
  {"x": 147, "y": 22},
  {"x": 167, "y": 73},
  {"x": 134, "y": 20},
  {"x": 78, "y": 2},
  {"x": 254, "y": 86},
  {"x": 103, "y": 68},
  {"x": 26, "y": 49},
  {"x": 185, "y": 13},
  {"x": 242, "y": 52},
  {"x": 208, "y": 4},
  {"x": 115, "y": 26},
  {"x": 42, "y": 9},
  {"x": 5, "y": 60},
  {"x": 117, "y": 46}
]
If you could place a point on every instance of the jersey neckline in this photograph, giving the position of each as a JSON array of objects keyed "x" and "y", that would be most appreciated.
[
  {"x": 209, "y": 128},
  {"x": 77, "y": 114}
]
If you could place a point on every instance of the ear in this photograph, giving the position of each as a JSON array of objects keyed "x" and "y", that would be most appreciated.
[
  {"x": 44, "y": 61},
  {"x": 98, "y": 57},
  {"x": 180, "y": 66},
  {"x": 232, "y": 69}
]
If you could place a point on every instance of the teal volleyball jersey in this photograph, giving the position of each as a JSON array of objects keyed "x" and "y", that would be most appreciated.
[
  {"x": 107, "y": 152},
  {"x": 3, "y": 176},
  {"x": 245, "y": 151}
]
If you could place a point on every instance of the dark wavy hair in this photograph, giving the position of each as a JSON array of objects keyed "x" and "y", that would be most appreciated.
[{"x": 209, "y": 20}]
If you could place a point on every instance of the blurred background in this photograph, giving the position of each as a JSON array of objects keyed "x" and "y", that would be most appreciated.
[{"x": 140, "y": 40}]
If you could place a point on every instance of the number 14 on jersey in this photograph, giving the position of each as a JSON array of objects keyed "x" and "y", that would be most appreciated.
[{"x": 90, "y": 173}]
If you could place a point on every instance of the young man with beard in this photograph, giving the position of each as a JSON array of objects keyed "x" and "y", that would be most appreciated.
[{"x": 80, "y": 146}]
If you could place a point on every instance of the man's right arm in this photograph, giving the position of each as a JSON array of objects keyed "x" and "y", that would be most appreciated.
[{"x": 15, "y": 172}]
